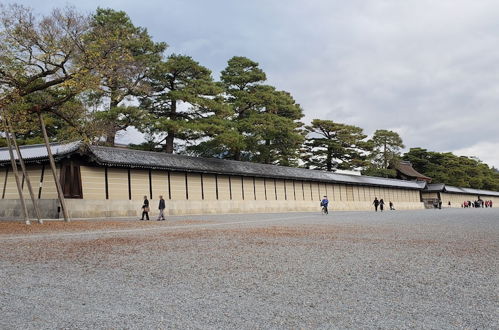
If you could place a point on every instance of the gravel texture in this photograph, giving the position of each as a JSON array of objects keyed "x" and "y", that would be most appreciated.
[{"x": 427, "y": 269}]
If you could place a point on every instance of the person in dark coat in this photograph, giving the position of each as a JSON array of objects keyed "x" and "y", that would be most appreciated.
[
  {"x": 145, "y": 209},
  {"x": 391, "y": 205},
  {"x": 376, "y": 203},
  {"x": 161, "y": 208},
  {"x": 381, "y": 204}
]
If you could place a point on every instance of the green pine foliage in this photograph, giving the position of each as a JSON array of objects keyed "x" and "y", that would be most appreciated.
[
  {"x": 184, "y": 102},
  {"x": 385, "y": 155},
  {"x": 262, "y": 124},
  {"x": 460, "y": 171},
  {"x": 134, "y": 57},
  {"x": 332, "y": 145}
]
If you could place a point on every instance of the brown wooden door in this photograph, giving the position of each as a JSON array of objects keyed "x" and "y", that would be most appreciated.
[{"x": 71, "y": 180}]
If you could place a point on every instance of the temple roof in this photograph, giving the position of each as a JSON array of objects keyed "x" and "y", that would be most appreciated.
[{"x": 406, "y": 169}]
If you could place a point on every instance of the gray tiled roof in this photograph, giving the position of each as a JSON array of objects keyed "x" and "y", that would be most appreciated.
[
  {"x": 440, "y": 187},
  {"x": 435, "y": 187},
  {"x": 119, "y": 157},
  {"x": 39, "y": 152},
  {"x": 472, "y": 191},
  {"x": 157, "y": 160}
]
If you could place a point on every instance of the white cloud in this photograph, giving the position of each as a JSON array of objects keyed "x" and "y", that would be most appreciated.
[{"x": 488, "y": 152}]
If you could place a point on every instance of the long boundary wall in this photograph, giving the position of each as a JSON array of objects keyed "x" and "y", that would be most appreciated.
[{"x": 118, "y": 192}]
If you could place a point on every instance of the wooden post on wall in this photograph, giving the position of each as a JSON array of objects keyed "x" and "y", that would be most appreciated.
[
  {"x": 230, "y": 188},
  {"x": 242, "y": 186},
  {"x": 254, "y": 188},
  {"x": 294, "y": 189}
]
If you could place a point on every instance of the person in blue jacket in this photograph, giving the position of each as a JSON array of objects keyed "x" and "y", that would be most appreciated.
[{"x": 324, "y": 204}]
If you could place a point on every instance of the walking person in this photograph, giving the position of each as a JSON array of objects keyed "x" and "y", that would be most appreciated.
[
  {"x": 381, "y": 204},
  {"x": 391, "y": 205},
  {"x": 376, "y": 203},
  {"x": 162, "y": 206},
  {"x": 324, "y": 204},
  {"x": 145, "y": 209}
]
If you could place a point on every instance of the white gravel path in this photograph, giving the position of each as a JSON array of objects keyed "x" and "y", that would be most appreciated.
[{"x": 428, "y": 269}]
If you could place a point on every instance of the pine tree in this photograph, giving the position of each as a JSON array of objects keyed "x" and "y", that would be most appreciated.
[
  {"x": 263, "y": 125},
  {"x": 126, "y": 71},
  {"x": 385, "y": 155},
  {"x": 184, "y": 103},
  {"x": 333, "y": 145}
]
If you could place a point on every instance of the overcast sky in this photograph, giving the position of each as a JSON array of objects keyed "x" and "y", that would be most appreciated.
[{"x": 428, "y": 70}]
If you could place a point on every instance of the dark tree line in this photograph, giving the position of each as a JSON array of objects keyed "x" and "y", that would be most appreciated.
[{"x": 445, "y": 167}]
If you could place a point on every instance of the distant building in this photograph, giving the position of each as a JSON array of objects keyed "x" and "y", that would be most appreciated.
[
  {"x": 405, "y": 171},
  {"x": 451, "y": 196}
]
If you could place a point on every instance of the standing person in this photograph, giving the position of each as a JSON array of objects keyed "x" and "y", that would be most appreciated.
[
  {"x": 324, "y": 204},
  {"x": 391, "y": 205},
  {"x": 376, "y": 203},
  {"x": 381, "y": 204},
  {"x": 161, "y": 207},
  {"x": 145, "y": 209}
]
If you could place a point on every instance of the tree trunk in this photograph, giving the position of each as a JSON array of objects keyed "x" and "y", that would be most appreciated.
[
  {"x": 112, "y": 130},
  {"x": 54, "y": 170},
  {"x": 385, "y": 160},
  {"x": 267, "y": 156},
  {"x": 329, "y": 161},
  {"x": 170, "y": 138},
  {"x": 111, "y": 137},
  {"x": 237, "y": 155},
  {"x": 169, "y": 142},
  {"x": 16, "y": 173},
  {"x": 26, "y": 175}
]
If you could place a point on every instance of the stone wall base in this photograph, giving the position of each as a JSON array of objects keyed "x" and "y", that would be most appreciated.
[{"x": 80, "y": 208}]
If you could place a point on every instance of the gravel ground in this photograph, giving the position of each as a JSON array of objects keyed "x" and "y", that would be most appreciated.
[{"x": 427, "y": 269}]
